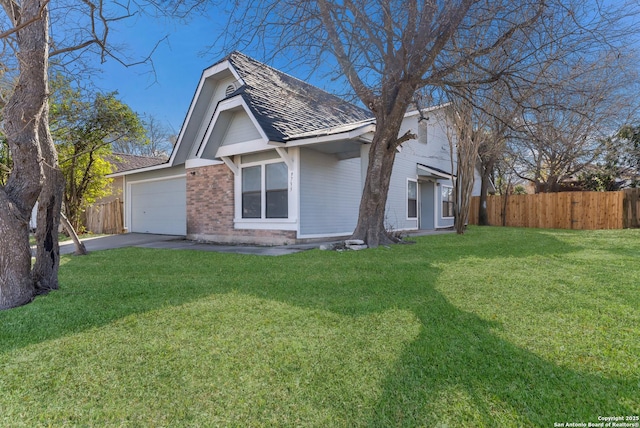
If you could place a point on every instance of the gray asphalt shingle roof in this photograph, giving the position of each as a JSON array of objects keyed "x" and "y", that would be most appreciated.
[
  {"x": 285, "y": 106},
  {"x": 123, "y": 162}
]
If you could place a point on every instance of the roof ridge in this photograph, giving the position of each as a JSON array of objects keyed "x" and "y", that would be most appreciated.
[{"x": 280, "y": 72}]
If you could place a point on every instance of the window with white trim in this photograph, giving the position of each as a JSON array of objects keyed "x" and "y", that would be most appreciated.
[
  {"x": 252, "y": 192},
  {"x": 412, "y": 199},
  {"x": 447, "y": 201},
  {"x": 265, "y": 192}
]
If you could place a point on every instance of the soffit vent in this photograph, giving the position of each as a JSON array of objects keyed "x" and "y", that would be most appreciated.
[{"x": 230, "y": 90}]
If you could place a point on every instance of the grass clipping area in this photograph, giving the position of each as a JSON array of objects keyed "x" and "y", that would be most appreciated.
[{"x": 498, "y": 327}]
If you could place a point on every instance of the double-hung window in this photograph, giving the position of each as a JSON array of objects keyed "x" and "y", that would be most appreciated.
[
  {"x": 264, "y": 191},
  {"x": 447, "y": 201},
  {"x": 412, "y": 199}
]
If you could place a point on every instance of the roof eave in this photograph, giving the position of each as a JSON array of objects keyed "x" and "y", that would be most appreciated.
[
  {"x": 435, "y": 172},
  {"x": 426, "y": 110},
  {"x": 358, "y": 133}
]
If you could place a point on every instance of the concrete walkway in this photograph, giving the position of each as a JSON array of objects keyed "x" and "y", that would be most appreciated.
[
  {"x": 172, "y": 242},
  {"x": 145, "y": 240}
]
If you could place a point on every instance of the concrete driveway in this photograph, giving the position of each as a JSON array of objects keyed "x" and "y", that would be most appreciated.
[{"x": 173, "y": 242}]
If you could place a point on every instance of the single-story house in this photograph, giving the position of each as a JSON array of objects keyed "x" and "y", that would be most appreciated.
[{"x": 265, "y": 158}]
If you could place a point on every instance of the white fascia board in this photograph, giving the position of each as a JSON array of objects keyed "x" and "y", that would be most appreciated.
[
  {"x": 339, "y": 129},
  {"x": 351, "y": 135},
  {"x": 426, "y": 110},
  {"x": 217, "y": 68},
  {"x": 198, "y": 162},
  {"x": 135, "y": 171},
  {"x": 241, "y": 148},
  {"x": 187, "y": 119},
  {"x": 223, "y": 106}
]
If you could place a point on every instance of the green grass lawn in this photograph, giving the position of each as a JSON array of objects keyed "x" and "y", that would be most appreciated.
[{"x": 498, "y": 327}]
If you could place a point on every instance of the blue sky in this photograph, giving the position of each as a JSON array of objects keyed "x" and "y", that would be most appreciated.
[{"x": 178, "y": 63}]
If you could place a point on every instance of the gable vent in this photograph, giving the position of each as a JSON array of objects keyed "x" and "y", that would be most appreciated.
[{"x": 230, "y": 90}]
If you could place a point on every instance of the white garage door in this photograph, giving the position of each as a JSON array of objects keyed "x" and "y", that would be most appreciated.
[{"x": 159, "y": 206}]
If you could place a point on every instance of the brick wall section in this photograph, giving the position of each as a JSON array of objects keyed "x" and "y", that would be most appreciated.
[
  {"x": 209, "y": 199},
  {"x": 210, "y": 206}
]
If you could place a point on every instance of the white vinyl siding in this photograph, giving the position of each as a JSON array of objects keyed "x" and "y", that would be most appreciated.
[
  {"x": 240, "y": 129},
  {"x": 432, "y": 149},
  {"x": 330, "y": 191},
  {"x": 216, "y": 93},
  {"x": 404, "y": 169}
]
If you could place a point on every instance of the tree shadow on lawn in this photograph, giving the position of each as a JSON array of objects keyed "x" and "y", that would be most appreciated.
[
  {"x": 107, "y": 285},
  {"x": 458, "y": 372},
  {"x": 457, "y": 366}
]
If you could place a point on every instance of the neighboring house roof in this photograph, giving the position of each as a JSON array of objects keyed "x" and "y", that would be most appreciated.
[
  {"x": 286, "y": 107},
  {"x": 124, "y": 162}
]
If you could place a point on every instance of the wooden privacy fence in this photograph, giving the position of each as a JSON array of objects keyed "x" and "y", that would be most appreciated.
[
  {"x": 564, "y": 210},
  {"x": 105, "y": 217}
]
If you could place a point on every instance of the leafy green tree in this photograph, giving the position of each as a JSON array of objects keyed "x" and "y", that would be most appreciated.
[{"x": 84, "y": 129}]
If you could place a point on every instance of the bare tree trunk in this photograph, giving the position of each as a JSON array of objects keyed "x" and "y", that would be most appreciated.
[
  {"x": 16, "y": 288},
  {"x": 505, "y": 203},
  {"x": 370, "y": 227},
  {"x": 467, "y": 155},
  {"x": 22, "y": 118},
  {"x": 81, "y": 250},
  {"x": 483, "y": 216},
  {"x": 45, "y": 269},
  {"x": 466, "y": 145}
]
